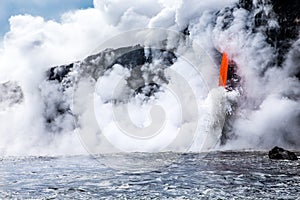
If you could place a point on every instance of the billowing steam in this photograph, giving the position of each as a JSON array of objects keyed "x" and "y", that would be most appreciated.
[{"x": 263, "y": 111}]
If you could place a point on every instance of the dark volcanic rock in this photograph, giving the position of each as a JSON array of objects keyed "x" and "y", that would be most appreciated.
[
  {"x": 60, "y": 72},
  {"x": 287, "y": 15},
  {"x": 278, "y": 153},
  {"x": 95, "y": 65},
  {"x": 278, "y": 22},
  {"x": 144, "y": 79},
  {"x": 148, "y": 90}
]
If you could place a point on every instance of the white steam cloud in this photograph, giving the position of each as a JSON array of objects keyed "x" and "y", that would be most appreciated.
[{"x": 267, "y": 112}]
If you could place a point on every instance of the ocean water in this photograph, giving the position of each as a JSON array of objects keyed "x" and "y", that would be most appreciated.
[{"x": 216, "y": 175}]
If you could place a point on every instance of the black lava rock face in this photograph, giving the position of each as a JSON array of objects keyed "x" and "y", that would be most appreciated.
[
  {"x": 278, "y": 153},
  {"x": 279, "y": 22},
  {"x": 286, "y": 13},
  {"x": 95, "y": 65},
  {"x": 61, "y": 81}
]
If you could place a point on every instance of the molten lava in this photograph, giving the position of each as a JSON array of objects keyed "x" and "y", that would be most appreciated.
[{"x": 223, "y": 70}]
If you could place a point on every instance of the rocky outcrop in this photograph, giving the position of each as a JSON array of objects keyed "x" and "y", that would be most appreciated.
[
  {"x": 279, "y": 22},
  {"x": 143, "y": 79},
  {"x": 285, "y": 17},
  {"x": 95, "y": 65},
  {"x": 278, "y": 153}
]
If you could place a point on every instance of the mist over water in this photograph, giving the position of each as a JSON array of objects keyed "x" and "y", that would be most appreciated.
[{"x": 265, "y": 108}]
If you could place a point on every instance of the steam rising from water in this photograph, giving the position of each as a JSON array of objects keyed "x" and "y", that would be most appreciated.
[{"x": 268, "y": 106}]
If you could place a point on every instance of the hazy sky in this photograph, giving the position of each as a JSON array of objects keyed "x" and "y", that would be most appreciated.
[{"x": 49, "y": 9}]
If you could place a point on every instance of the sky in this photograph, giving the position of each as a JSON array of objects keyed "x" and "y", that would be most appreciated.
[{"x": 48, "y": 9}]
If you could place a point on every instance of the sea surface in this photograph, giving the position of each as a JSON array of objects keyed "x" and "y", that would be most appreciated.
[{"x": 216, "y": 175}]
